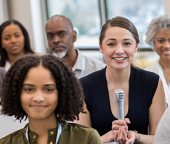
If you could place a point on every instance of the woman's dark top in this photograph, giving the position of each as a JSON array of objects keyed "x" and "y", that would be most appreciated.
[{"x": 142, "y": 87}]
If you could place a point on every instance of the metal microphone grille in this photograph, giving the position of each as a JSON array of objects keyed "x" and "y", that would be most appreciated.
[{"x": 119, "y": 94}]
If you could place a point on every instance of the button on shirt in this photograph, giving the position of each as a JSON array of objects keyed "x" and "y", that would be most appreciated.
[
  {"x": 85, "y": 65},
  {"x": 51, "y": 136}
]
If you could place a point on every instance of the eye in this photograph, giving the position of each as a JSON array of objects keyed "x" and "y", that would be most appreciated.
[
  {"x": 17, "y": 35},
  {"x": 49, "y": 90},
  {"x": 127, "y": 43},
  {"x": 6, "y": 39},
  {"x": 28, "y": 89},
  {"x": 160, "y": 40},
  {"x": 62, "y": 34},
  {"x": 50, "y": 36},
  {"x": 110, "y": 44}
]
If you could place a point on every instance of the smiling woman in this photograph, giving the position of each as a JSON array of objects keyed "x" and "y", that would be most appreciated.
[
  {"x": 14, "y": 43},
  {"x": 142, "y": 90},
  {"x": 45, "y": 90}
]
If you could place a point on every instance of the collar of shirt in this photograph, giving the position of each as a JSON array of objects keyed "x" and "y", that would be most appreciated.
[
  {"x": 78, "y": 64},
  {"x": 7, "y": 65},
  {"x": 51, "y": 135}
]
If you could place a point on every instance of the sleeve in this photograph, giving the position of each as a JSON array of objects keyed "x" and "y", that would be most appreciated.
[
  {"x": 163, "y": 129},
  {"x": 94, "y": 138}
]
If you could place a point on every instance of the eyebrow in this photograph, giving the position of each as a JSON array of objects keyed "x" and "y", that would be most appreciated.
[
  {"x": 14, "y": 34},
  {"x": 123, "y": 39},
  {"x": 55, "y": 32},
  {"x": 44, "y": 85}
]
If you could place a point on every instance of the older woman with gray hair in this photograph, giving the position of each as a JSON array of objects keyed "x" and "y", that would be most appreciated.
[{"x": 158, "y": 36}]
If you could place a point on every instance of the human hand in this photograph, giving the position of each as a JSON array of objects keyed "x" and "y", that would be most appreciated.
[
  {"x": 108, "y": 137},
  {"x": 122, "y": 136},
  {"x": 117, "y": 124},
  {"x": 131, "y": 137}
]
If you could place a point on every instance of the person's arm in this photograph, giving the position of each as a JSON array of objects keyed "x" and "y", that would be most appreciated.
[
  {"x": 156, "y": 111},
  {"x": 109, "y": 136},
  {"x": 84, "y": 118},
  {"x": 94, "y": 138},
  {"x": 163, "y": 129}
]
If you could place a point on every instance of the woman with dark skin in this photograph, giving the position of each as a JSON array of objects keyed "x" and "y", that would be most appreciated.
[
  {"x": 14, "y": 43},
  {"x": 144, "y": 100},
  {"x": 45, "y": 90}
]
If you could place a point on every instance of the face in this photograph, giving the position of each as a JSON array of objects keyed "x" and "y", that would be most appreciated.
[
  {"x": 60, "y": 36},
  {"x": 162, "y": 44},
  {"x": 13, "y": 39},
  {"x": 118, "y": 47},
  {"x": 39, "y": 96}
]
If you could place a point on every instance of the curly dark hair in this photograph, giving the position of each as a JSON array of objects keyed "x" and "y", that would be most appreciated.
[
  {"x": 27, "y": 46},
  {"x": 71, "y": 97}
]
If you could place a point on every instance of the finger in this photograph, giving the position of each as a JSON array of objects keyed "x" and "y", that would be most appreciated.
[
  {"x": 115, "y": 136},
  {"x": 125, "y": 136},
  {"x": 119, "y": 122},
  {"x": 127, "y": 120},
  {"x": 122, "y": 137},
  {"x": 116, "y": 127}
]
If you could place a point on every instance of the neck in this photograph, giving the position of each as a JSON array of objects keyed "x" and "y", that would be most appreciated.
[
  {"x": 14, "y": 58},
  {"x": 41, "y": 127},
  {"x": 164, "y": 63},
  {"x": 71, "y": 57},
  {"x": 118, "y": 77}
]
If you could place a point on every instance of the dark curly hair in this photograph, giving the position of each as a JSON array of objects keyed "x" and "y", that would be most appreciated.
[
  {"x": 27, "y": 46},
  {"x": 71, "y": 97}
]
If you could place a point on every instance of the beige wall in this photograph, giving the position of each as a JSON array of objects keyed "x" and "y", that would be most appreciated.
[
  {"x": 3, "y": 11},
  {"x": 166, "y": 5},
  {"x": 20, "y": 10}
]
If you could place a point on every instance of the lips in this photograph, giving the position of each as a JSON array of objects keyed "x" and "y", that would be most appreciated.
[
  {"x": 14, "y": 47},
  {"x": 166, "y": 52},
  {"x": 38, "y": 107},
  {"x": 119, "y": 59}
]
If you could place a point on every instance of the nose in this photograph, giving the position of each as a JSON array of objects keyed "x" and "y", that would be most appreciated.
[
  {"x": 38, "y": 97},
  {"x": 166, "y": 44},
  {"x": 13, "y": 39},
  {"x": 56, "y": 39},
  {"x": 119, "y": 49}
]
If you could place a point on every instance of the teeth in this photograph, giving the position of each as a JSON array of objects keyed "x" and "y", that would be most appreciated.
[
  {"x": 119, "y": 58},
  {"x": 166, "y": 51}
]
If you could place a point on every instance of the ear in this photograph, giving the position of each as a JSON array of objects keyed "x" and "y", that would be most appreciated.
[
  {"x": 136, "y": 48},
  {"x": 74, "y": 35},
  {"x": 101, "y": 49}
]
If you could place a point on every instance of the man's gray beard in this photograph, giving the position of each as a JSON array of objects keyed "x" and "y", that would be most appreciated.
[{"x": 60, "y": 54}]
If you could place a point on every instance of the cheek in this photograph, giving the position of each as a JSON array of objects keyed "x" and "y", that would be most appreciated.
[{"x": 22, "y": 41}]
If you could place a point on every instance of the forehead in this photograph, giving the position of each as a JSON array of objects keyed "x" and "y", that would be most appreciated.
[
  {"x": 163, "y": 33},
  {"x": 118, "y": 32},
  {"x": 11, "y": 28},
  {"x": 57, "y": 24},
  {"x": 39, "y": 74}
]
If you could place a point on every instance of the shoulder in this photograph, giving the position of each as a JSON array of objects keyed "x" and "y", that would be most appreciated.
[
  {"x": 153, "y": 67},
  {"x": 94, "y": 62},
  {"x": 163, "y": 129},
  {"x": 13, "y": 138},
  {"x": 80, "y": 131},
  {"x": 80, "y": 128},
  {"x": 144, "y": 74},
  {"x": 2, "y": 70},
  {"x": 93, "y": 77}
]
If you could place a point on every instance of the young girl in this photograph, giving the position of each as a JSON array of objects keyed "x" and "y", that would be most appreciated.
[{"x": 45, "y": 90}]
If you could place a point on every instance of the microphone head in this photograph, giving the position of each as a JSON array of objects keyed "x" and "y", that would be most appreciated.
[
  {"x": 119, "y": 95},
  {"x": 119, "y": 98}
]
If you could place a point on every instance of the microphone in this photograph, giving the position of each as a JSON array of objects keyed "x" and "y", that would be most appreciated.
[{"x": 119, "y": 98}]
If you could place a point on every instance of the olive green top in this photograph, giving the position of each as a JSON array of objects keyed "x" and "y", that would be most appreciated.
[{"x": 71, "y": 134}]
